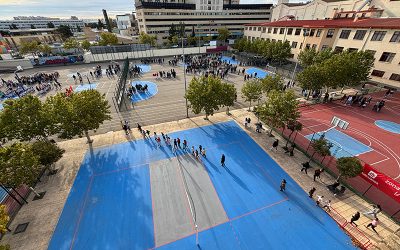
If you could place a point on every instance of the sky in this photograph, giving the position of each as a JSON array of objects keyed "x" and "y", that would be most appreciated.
[{"x": 79, "y": 8}]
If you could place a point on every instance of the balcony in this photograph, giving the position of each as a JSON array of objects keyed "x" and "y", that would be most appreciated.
[{"x": 160, "y": 5}]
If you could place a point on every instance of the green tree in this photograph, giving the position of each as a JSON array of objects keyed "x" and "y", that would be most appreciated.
[
  {"x": 45, "y": 49},
  {"x": 281, "y": 51},
  {"x": 100, "y": 25},
  {"x": 29, "y": 47},
  {"x": 72, "y": 43},
  {"x": 78, "y": 28},
  {"x": 205, "y": 94},
  {"x": 191, "y": 40},
  {"x": 293, "y": 126},
  {"x": 320, "y": 146},
  {"x": 26, "y": 119},
  {"x": 19, "y": 165},
  {"x": 85, "y": 44},
  {"x": 64, "y": 31},
  {"x": 272, "y": 83},
  {"x": 172, "y": 32},
  {"x": 240, "y": 43},
  {"x": 147, "y": 39},
  {"x": 279, "y": 109},
  {"x": 228, "y": 96},
  {"x": 5, "y": 247},
  {"x": 79, "y": 113},
  {"x": 50, "y": 25},
  {"x": 306, "y": 57},
  {"x": 4, "y": 219},
  {"x": 252, "y": 91},
  {"x": 312, "y": 78},
  {"x": 174, "y": 40},
  {"x": 107, "y": 38},
  {"x": 48, "y": 152},
  {"x": 223, "y": 34},
  {"x": 349, "y": 167}
]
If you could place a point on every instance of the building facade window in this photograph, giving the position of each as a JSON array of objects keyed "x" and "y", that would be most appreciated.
[
  {"x": 387, "y": 57},
  {"x": 377, "y": 73},
  {"x": 378, "y": 35},
  {"x": 373, "y": 52},
  {"x": 396, "y": 37},
  {"x": 345, "y": 34},
  {"x": 395, "y": 77},
  {"x": 330, "y": 33},
  {"x": 319, "y": 31},
  {"x": 297, "y": 32},
  {"x": 264, "y": 29},
  {"x": 275, "y": 30},
  {"x": 324, "y": 47},
  {"x": 282, "y": 31},
  {"x": 353, "y": 50},
  {"x": 314, "y": 46},
  {"x": 294, "y": 45},
  {"x": 269, "y": 30},
  {"x": 359, "y": 35},
  {"x": 312, "y": 32},
  {"x": 338, "y": 49},
  {"x": 290, "y": 31},
  {"x": 308, "y": 46},
  {"x": 259, "y": 29}
]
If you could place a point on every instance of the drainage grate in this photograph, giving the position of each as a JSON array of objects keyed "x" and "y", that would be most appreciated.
[
  {"x": 21, "y": 228},
  {"x": 41, "y": 195}
]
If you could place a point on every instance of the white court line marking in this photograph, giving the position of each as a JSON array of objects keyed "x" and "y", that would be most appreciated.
[
  {"x": 379, "y": 161},
  {"x": 314, "y": 111}
]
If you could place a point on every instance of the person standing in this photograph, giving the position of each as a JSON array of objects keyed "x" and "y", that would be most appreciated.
[
  {"x": 375, "y": 210},
  {"x": 275, "y": 145},
  {"x": 139, "y": 127},
  {"x": 306, "y": 165},
  {"x": 158, "y": 141},
  {"x": 175, "y": 145},
  {"x": 283, "y": 185},
  {"x": 317, "y": 173},
  {"x": 374, "y": 223},
  {"x": 355, "y": 218},
  {"x": 327, "y": 206},
  {"x": 311, "y": 192},
  {"x": 203, "y": 152},
  {"x": 184, "y": 144},
  {"x": 223, "y": 160},
  {"x": 319, "y": 200},
  {"x": 179, "y": 142}
]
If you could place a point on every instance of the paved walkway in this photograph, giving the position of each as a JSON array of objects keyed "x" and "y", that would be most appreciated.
[{"x": 43, "y": 214}]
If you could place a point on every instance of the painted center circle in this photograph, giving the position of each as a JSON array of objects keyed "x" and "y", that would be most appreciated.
[{"x": 141, "y": 95}]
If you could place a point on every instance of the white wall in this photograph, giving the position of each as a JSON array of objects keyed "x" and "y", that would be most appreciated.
[{"x": 12, "y": 64}]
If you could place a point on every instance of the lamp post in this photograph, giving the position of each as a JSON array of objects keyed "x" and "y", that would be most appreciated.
[
  {"x": 184, "y": 67},
  {"x": 305, "y": 33}
]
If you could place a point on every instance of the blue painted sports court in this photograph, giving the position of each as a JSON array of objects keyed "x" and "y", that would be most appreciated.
[
  {"x": 392, "y": 127},
  {"x": 260, "y": 73},
  {"x": 111, "y": 203},
  {"x": 343, "y": 145},
  {"x": 141, "y": 96},
  {"x": 229, "y": 60}
]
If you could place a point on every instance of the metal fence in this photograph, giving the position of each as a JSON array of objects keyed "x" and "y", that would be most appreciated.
[
  {"x": 357, "y": 184},
  {"x": 119, "y": 96}
]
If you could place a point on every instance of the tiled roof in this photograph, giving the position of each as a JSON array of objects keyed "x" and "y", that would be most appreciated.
[{"x": 377, "y": 23}]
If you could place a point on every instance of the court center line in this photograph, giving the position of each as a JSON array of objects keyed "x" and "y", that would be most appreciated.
[{"x": 379, "y": 161}]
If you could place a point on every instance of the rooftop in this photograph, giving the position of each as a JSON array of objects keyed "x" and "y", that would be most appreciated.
[{"x": 377, "y": 23}]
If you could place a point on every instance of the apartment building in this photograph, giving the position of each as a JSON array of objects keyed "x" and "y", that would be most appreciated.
[
  {"x": 322, "y": 9},
  {"x": 205, "y": 17},
  {"x": 379, "y": 35},
  {"x": 24, "y": 23},
  {"x": 126, "y": 24}
]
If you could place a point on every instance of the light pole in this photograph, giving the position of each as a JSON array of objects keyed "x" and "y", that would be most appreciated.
[
  {"x": 305, "y": 33},
  {"x": 184, "y": 68}
]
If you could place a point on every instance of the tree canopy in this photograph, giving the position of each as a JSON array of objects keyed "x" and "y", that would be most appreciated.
[
  {"x": 208, "y": 94},
  {"x": 50, "y": 25},
  {"x": 4, "y": 219},
  {"x": 18, "y": 165},
  {"x": 29, "y": 47},
  {"x": 223, "y": 34},
  {"x": 147, "y": 39},
  {"x": 85, "y": 44},
  {"x": 321, "y": 146},
  {"x": 270, "y": 50},
  {"x": 64, "y": 31},
  {"x": 272, "y": 82},
  {"x": 26, "y": 118},
  {"x": 279, "y": 109},
  {"x": 349, "y": 167},
  {"x": 252, "y": 91},
  {"x": 79, "y": 113},
  {"x": 48, "y": 152},
  {"x": 107, "y": 38}
]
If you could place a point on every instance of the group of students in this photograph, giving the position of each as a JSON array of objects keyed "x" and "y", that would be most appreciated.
[
  {"x": 163, "y": 74},
  {"x": 374, "y": 212}
]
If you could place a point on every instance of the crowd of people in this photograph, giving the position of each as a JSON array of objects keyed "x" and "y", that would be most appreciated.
[{"x": 23, "y": 85}]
